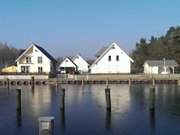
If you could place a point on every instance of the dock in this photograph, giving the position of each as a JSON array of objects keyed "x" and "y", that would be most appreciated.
[{"x": 92, "y": 79}]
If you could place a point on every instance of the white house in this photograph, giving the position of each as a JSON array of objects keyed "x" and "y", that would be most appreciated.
[
  {"x": 159, "y": 66},
  {"x": 82, "y": 65},
  {"x": 67, "y": 66},
  {"x": 111, "y": 59},
  {"x": 35, "y": 59}
]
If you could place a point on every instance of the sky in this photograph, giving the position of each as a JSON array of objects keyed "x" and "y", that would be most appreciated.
[{"x": 67, "y": 27}]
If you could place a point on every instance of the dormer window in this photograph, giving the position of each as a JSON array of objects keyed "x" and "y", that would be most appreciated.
[{"x": 28, "y": 59}]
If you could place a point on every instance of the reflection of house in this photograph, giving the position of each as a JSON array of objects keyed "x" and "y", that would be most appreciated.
[
  {"x": 67, "y": 66},
  {"x": 159, "y": 66},
  {"x": 111, "y": 59},
  {"x": 35, "y": 60},
  {"x": 81, "y": 63}
]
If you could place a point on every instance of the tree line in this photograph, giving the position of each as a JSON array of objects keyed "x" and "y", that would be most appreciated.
[
  {"x": 157, "y": 48},
  {"x": 8, "y": 54}
]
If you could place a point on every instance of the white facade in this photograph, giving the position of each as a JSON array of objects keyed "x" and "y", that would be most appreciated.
[
  {"x": 33, "y": 60},
  {"x": 82, "y": 65},
  {"x": 159, "y": 66},
  {"x": 150, "y": 69},
  {"x": 112, "y": 60},
  {"x": 67, "y": 65}
]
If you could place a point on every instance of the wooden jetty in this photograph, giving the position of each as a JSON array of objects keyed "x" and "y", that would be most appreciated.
[{"x": 95, "y": 79}]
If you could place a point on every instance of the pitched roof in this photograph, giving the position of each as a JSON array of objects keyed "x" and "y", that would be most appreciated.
[
  {"x": 45, "y": 52},
  {"x": 106, "y": 50},
  {"x": 22, "y": 51},
  {"x": 69, "y": 60},
  {"x": 101, "y": 51},
  {"x": 161, "y": 62}
]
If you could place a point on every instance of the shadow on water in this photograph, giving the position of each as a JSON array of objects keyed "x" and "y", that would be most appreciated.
[
  {"x": 63, "y": 120},
  {"x": 19, "y": 118},
  {"x": 108, "y": 120},
  {"x": 152, "y": 108}
]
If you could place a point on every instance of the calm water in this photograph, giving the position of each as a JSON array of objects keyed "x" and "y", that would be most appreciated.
[{"x": 85, "y": 110}]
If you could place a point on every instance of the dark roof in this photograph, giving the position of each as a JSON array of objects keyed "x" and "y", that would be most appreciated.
[
  {"x": 71, "y": 61},
  {"x": 45, "y": 52},
  {"x": 21, "y": 51},
  {"x": 101, "y": 51},
  {"x": 161, "y": 62}
]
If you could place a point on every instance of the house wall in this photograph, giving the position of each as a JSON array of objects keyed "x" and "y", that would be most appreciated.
[
  {"x": 67, "y": 63},
  {"x": 150, "y": 69},
  {"x": 34, "y": 53},
  {"x": 82, "y": 64},
  {"x": 113, "y": 66}
]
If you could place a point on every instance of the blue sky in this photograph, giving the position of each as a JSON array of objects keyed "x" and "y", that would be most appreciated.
[{"x": 67, "y": 27}]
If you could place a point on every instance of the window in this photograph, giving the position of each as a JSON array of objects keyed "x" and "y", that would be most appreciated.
[
  {"x": 24, "y": 69},
  {"x": 117, "y": 57},
  {"x": 109, "y": 58},
  {"x": 40, "y": 69},
  {"x": 28, "y": 59},
  {"x": 39, "y": 59}
]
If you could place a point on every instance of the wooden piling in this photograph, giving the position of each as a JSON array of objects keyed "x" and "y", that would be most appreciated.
[
  {"x": 129, "y": 82},
  {"x": 107, "y": 83},
  {"x": 62, "y": 103},
  {"x": 108, "y": 119},
  {"x": 178, "y": 82},
  {"x": 18, "y": 99},
  {"x": 32, "y": 82},
  {"x": 152, "y": 99},
  {"x": 8, "y": 84},
  {"x": 82, "y": 82},
  {"x": 153, "y": 82},
  {"x": 108, "y": 99}
]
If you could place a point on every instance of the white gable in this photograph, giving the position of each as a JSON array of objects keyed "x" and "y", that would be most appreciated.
[
  {"x": 35, "y": 50},
  {"x": 67, "y": 63},
  {"x": 112, "y": 60},
  {"x": 33, "y": 60},
  {"x": 81, "y": 63}
]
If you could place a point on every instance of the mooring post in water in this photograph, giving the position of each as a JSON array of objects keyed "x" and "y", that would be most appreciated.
[
  {"x": 108, "y": 99},
  {"x": 108, "y": 119},
  {"x": 153, "y": 82},
  {"x": 46, "y": 125},
  {"x": 129, "y": 82},
  {"x": 107, "y": 83},
  {"x": 82, "y": 82},
  {"x": 32, "y": 82},
  {"x": 152, "y": 102},
  {"x": 18, "y": 118},
  {"x": 18, "y": 99},
  {"x": 152, "y": 99},
  {"x": 8, "y": 83},
  {"x": 178, "y": 82},
  {"x": 62, "y": 103}
]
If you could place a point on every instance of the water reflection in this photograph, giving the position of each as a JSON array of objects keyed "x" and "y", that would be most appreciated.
[
  {"x": 18, "y": 118},
  {"x": 152, "y": 108},
  {"x": 108, "y": 119},
  {"x": 135, "y": 110},
  {"x": 63, "y": 120}
]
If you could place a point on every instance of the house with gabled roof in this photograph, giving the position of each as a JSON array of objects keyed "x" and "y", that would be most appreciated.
[
  {"x": 35, "y": 59},
  {"x": 111, "y": 59},
  {"x": 67, "y": 66},
  {"x": 82, "y": 65},
  {"x": 160, "y": 66}
]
